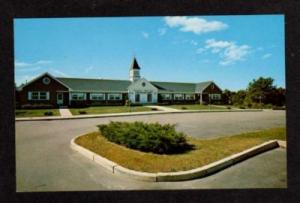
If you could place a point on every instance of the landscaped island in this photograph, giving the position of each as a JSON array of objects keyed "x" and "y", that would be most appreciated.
[{"x": 201, "y": 153}]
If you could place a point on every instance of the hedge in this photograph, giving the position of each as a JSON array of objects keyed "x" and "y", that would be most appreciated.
[{"x": 152, "y": 137}]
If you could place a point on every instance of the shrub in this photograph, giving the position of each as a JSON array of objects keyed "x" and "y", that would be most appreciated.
[
  {"x": 279, "y": 108},
  {"x": 183, "y": 108},
  {"x": 82, "y": 112},
  {"x": 48, "y": 113},
  {"x": 242, "y": 107},
  {"x": 153, "y": 137},
  {"x": 228, "y": 107},
  {"x": 154, "y": 109},
  {"x": 37, "y": 106}
]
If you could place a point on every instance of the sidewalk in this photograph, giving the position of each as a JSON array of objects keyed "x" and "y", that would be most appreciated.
[
  {"x": 65, "y": 112},
  {"x": 45, "y": 118}
]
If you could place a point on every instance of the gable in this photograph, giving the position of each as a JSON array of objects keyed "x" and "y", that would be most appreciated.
[
  {"x": 44, "y": 82},
  {"x": 141, "y": 85},
  {"x": 212, "y": 88}
]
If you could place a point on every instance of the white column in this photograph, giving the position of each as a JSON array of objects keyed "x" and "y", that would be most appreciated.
[{"x": 201, "y": 101}]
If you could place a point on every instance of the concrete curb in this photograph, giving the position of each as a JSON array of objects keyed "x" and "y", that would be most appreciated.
[
  {"x": 180, "y": 175},
  {"x": 129, "y": 114}
]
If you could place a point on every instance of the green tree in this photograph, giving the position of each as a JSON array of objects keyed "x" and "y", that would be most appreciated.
[
  {"x": 227, "y": 96},
  {"x": 259, "y": 89},
  {"x": 239, "y": 97}
]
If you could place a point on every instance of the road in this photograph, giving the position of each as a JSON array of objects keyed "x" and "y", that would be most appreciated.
[{"x": 45, "y": 162}]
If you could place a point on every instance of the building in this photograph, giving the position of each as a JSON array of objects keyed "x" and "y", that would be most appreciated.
[{"x": 49, "y": 91}]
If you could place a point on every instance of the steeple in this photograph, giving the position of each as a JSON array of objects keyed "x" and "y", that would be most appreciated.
[
  {"x": 134, "y": 64},
  {"x": 134, "y": 71}
]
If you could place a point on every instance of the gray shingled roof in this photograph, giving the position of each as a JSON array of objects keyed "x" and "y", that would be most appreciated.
[
  {"x": 79, "y": 84},
  {"x": 202, "y": 85},
  {"x": 174, "y": 86}
]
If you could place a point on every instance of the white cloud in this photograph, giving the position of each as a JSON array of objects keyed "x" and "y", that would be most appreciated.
[
  {"x": 194, "y": 24},
  {"x": 43, "y": 62},
  {"x": 145, "y": 35},
  {"x": 59, "y": 73},
  {"x": 200, "y": 50},
  {"x": 193, "y": 42},
  {"x": 88, "y": 69},
  {"x": 228, "y": 51},
  {"x": 268, "y": 55},
  {"x": 162, "y": 31},
  {"x": 21, "y": 64}
]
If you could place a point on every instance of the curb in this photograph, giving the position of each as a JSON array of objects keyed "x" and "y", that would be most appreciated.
[
  {"x": 130, "y": 114},
  {"x": 180, "y": 175}
]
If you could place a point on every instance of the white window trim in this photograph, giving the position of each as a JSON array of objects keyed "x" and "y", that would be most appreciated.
[
  {"x": 38, "y": 96},
  {"x": 166, "y": 96},
  {"x": 114, "y": 96},
  {"x": 215, "y": 96},
  {"x": 189, "y": 96},
  {"x": 181, "y": 97},
  {"x": 97, "y": 95},
  {"x": 78, "y": 93}
]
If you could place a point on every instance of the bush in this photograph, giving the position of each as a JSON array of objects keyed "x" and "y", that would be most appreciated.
[
  {"x": 161, "y": 139},
  {"x": 48, "y": 113},
  {"x": 154, "y": 109},
  {"x": 37, "y": 106},
  {"x": 183, "y": 108},
  {"x": 228, "y": 107},
  {"x": 82, "y": 112},
  {"x": 242, "y": 107}
]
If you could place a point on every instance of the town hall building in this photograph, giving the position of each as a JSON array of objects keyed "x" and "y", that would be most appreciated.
[{"x": 48, "y": 90}]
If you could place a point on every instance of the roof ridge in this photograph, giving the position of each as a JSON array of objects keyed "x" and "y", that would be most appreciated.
[{"x": 91, "y": 78}]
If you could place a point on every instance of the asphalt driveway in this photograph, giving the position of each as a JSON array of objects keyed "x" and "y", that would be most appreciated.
[{"x": 45, "y": 162}]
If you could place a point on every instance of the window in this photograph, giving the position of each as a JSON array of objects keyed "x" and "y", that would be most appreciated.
[
  {"x": 165, "y": 96},
  {"x": 178, "y": 96},
  {"x": 46, "y": 80},
  {"x": 137, "y": 98},
  {"x": 114, "y": 96},
  {"x": 149, "y": 97},
  {"x": 189, "y": 96},
  {"x": 78, "y": 96},
  {"x": 143, "y": 84},
  {"x": 38, "y": 95},
  {"x": 97, "y": 96},
  {"x": 215, "y": 96}
]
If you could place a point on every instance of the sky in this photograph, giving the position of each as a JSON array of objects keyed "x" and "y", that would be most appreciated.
[{"x": 230, "y": 50}]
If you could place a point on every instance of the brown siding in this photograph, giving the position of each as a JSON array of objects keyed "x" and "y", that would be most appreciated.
[
  {"x": 38, "y": 85},
  {"x": 212, "y": 89}
]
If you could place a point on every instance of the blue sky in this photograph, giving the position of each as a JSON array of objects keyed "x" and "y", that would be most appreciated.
[{"x": 230, "y": 50}]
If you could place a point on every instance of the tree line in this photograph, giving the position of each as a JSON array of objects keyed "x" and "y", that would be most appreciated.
[{"x": 260, "y": 92}]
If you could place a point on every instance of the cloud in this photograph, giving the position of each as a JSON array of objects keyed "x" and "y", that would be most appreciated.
[
  {"x": 23, "y": 78},
  {"x": 145, "y": 35},
  {"x": 88, "y": 69},
  {"x": 228, "y": 51},
  {"x": 59, "y": 73},
  {"x": 193, "y": 42},
  {"x": 162, "y": 31},
  {"x": 43, "y": 62},
  {"x": 194, "y": 24},
  {"x": 21, "y": 64},
  {"x": 268, "y": 55}
]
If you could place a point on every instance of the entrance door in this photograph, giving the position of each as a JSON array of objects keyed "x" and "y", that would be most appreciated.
[
  {"x": 60, "y": 98},
  {"x": 143, "y": 98}
]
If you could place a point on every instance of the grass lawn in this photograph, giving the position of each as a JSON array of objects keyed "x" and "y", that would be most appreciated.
[
  {"x": 109, "y": 109},
  {"x": 35, "y": 112},
  {"x": 194, "y": 107},
  {"x": 205, "y": 152}
]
